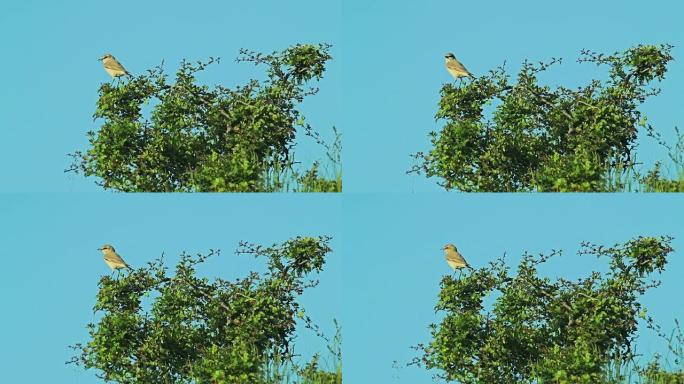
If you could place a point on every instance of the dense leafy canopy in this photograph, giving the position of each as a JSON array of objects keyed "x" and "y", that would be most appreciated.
[
  {"x": 540, "y": 330},
  {"x": 199, "y": 139},
  {"x": 543, "y": 138},
  {"x": 156, "y": 327}
]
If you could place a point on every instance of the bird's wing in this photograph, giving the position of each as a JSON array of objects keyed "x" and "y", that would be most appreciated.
[
  {"x": 457, "y": 66},
  {"x": 457, "y": 257},
  {"x": 115, "y": 65},
  {"x": 454, "y": 64},
  {"x": 115, "y": 259}
]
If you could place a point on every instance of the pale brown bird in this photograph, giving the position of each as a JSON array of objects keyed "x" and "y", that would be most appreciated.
[
  {"x": 113, "y": 67},
  {"x": 113, "y": 260},
  {"x": 454, "y": 258},
  {"x": 455, "y": 68}
]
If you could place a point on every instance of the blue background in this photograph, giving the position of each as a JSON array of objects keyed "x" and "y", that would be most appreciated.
[
  {"x": 393, "y": 67},
  {"x": 51, "y": 264},
  {"x": 393, "y": 261},
  {"x": 381, "y": 282},
  {"x": 50, "y": 52},
  {"x": 381, "y": 89}
]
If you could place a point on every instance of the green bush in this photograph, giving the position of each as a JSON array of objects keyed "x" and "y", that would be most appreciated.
[
  {"x": 540, "y": 138},
  {"x": 156, "y": 327},
  {"x": 200, "y": 139},
  {"x": 540, "y": 330}
]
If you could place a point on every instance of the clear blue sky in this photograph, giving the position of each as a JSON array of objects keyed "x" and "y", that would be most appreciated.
[
  {"x": 50, "y": 52},
  {"x": 381, "y": 282},
  {"x": 381, "y": 89},
  {"x": 51, "y": 264},
  {"x": 393, "y": 66},
  {"x": 393, "y": 262}
]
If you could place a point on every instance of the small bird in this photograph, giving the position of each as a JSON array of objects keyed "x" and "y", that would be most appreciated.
[
  {"x": 454, "y": 258},
  {"x": 113, "y": 260},
  {"x": 455, "y": 68},
  {"x": 113, "y": 67}
]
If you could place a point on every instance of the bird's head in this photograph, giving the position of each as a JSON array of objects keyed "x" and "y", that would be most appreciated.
[
  {"x": 106, "y": 56},
  {"x": 450, "y": 56},
  {"x": 449, "y": 247},
  {"x": 106, "y": 248}
]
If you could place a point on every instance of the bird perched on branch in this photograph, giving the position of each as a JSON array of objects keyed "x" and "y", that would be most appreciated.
[
  {"x": 113, "y": 67},
  {"x": 454, "y": 258},
  {"x": 455, "y": 68},
  {"x": 113, "y": 260}
]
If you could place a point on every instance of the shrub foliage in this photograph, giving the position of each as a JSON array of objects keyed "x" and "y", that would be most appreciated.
[
  {"x": 157, "y": 327},
  {"x": 543, "y": 138},
  {"x": 197, "y": 138},
  {"x": 540, "y": 330}
]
